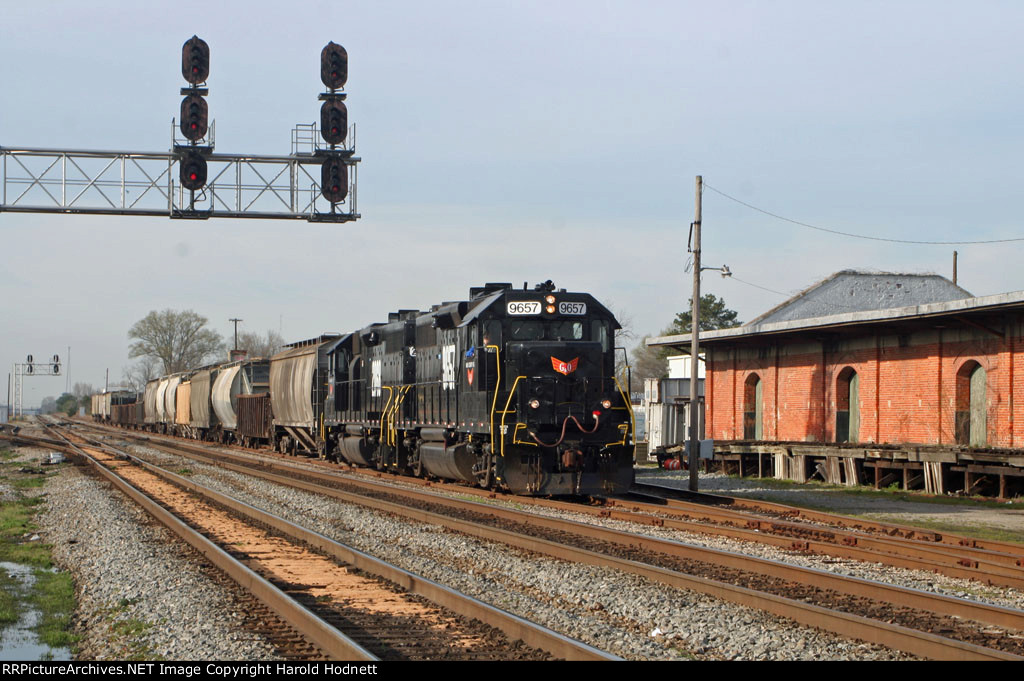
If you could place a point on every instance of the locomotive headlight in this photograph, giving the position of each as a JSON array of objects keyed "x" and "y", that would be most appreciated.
[
  {"x": 534, "y": 404},
  {"x": 607, "y": 404},
  {"x": 550, "y": 300},
  {"x": 550, "y": 309}
]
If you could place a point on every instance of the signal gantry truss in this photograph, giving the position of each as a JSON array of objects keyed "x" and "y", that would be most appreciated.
[{"x": 142, "y": 183}]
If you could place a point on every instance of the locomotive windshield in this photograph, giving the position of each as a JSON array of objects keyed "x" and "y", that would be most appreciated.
[{"x": 545, "y": 329}]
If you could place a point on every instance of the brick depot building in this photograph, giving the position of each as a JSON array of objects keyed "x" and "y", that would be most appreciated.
[{"x": 873, "y": 377}]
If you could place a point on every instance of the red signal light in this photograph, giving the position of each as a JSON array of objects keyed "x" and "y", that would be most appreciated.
[
  {"x": 193, "y": 171},
  {"x": 334, "y": 122},
  {"x": 195, "y": 60},
  {"x": 334, "y": 180},
  {"x": 334, "y": 66},
  {"x": 194, "y": 114}
]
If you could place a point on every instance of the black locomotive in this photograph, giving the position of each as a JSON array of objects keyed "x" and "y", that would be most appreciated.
[{"x": 512, "y": 389}]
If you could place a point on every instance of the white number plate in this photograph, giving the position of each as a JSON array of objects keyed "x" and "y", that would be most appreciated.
[
  {"x": 524, "y": 307},
  {"x": 572, "y": 308}
]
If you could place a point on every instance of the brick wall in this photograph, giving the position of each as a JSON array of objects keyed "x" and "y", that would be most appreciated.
[{"x": 908, "y": 385}]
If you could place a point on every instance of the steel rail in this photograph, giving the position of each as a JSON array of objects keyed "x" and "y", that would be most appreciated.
[
  {"x": 963, "y": 562},
  {"x": 939, "y": 604},
  {"x": 515, "y": 627},
  {"x": 890, "y": 635},
  {"x": 995, "y": 563},
  {"x": 334, "y": 643},
  {"x": 955, "y": 561},
  {"x": 704, "y": 498}
]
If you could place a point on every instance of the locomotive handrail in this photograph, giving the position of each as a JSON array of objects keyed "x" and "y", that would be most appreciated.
[
  {"x": 497, "y": 389},
  {"x": 384, "y": 411},
  {"x": 393, "y": 416},
  {"x": 629, "y": 408},
  {"x": 515, "y": 436},
  {"x": 505, "y": 411}
]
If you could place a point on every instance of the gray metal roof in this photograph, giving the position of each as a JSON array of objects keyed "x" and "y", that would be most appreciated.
[
  {"x": 858, "y": 290},
  {"x": 947, "y": 308}
]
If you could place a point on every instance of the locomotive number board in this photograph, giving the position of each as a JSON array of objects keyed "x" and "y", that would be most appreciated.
[
  {"x": 531, "y": 307},
  {"x": 524, "y": 307},
  {"x": 572, "y": 308}
]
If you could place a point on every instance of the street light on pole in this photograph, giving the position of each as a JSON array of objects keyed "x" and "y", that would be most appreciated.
[{"x": 694, "y": 454}]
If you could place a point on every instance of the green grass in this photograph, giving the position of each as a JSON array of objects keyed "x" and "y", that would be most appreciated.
[
  {"x": 10, "y": 608},
  {"x": 52, "y": 593},
  {"x": 16, "y": 529},
  {"x": 130, "y": 631},
  {"x": 966, "y": 529},
  {"x": 54, "y": 597},
  {"x": 890, "y": 493}
]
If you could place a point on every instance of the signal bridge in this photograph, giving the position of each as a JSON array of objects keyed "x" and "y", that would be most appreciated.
[{"x": 190, "y": 181}]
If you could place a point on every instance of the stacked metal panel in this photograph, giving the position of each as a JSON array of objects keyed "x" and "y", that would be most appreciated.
[
  {"x": 201, "y": 414},
  {"x": 149, "y": 402},
  {"x": 226, "y": 388},
  {"x": 291, "y": 385},
  {"x": 170, "y": 399},
  {"x": 182, "y": 404}
]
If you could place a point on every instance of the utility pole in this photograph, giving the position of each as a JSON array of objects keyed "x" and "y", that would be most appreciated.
[
  {"x": 695, "y": 345},
  {"x": 236, "y": 330},
  {"x": 954, "y": 268}
]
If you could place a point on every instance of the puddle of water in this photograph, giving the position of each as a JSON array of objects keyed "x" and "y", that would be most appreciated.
[{"x": 19, "y": 641}]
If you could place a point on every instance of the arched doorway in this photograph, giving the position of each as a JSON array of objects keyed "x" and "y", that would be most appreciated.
[
  {"x": 972, "y": 405},
  {"x": 847, "y": 406},
  {"x": 753, "y": 408}
]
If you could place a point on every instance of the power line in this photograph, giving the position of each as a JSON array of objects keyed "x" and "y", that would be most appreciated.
[
  {"x": 763, "y": 288},
  {"x": 860, "y": 236}
]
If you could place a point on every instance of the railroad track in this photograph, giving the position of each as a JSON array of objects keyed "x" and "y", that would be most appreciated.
[
  {"x": 785, "y": 527},
  {"x": 920, "y": 623},
  {"x": 349, "y": 605}
]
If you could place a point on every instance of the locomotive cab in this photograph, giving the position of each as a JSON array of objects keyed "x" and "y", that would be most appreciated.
[{"x": 557, "y": 420}]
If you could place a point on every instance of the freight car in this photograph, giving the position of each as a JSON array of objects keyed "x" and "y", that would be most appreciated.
[{"x": 511, "y": 388}]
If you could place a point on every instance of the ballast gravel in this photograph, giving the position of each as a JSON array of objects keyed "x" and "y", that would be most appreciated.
[
  {"x": 622, "y": 614},
  {"x": 127, "y": 569},
  {"x": 142, "y": 593}
]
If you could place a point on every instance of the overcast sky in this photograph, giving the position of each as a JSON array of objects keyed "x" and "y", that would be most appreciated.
[{"x": 517, "y": 141}]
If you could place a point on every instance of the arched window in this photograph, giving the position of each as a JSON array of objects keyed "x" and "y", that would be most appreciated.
[
  {"x": 847, "y": 406},
  {"x": 971, "y": 405},
  {"x": 753, "y": 408}
]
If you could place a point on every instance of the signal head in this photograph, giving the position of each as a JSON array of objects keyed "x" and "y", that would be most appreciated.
[
  {"x": 195, "y": 60},
  {"x": 334, "y": 180},
  {"x": 334, "y": 122},
  {"x": 194, "y": 114},
  {"x": 192, "y": 170},
  {"x": 334, "y": 66}
]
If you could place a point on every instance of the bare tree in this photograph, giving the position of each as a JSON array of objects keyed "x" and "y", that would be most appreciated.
[
  {"x": 648, "y": 362},
  {"x": 143, "y": 371},
  {"x": 256, "y": 345},
  {"x": 180, "y": 340},
  {"x": 81, "y": 390},
  {"x": 48, "y": 406}
]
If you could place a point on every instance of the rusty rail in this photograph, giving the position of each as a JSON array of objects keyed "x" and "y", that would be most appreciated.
[
  {"x": 516, "y": 628},
  {"x": 909, "y": 640}
]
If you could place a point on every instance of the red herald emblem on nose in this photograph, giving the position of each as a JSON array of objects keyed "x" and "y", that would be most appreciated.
[{"x": 564, "y": 367}]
